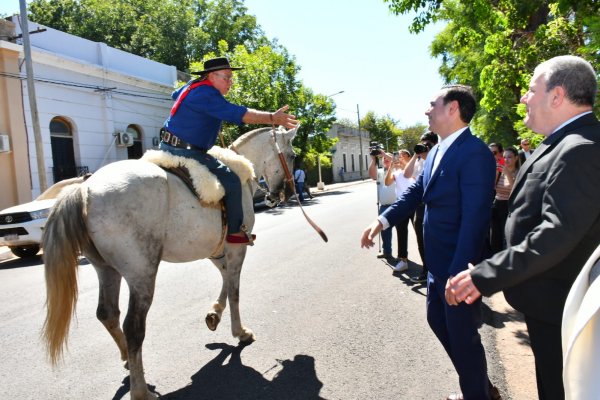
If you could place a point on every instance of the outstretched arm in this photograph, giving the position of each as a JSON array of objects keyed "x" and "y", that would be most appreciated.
[
  {"x": 279, "y": 117},
  {"x": 370, "y": 233}
]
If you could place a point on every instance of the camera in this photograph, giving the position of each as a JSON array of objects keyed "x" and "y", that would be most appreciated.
[
  {"x": 375, "y": 148},
  {"x": 395, "y": 156},
  {"x": 422, "y": 148}
]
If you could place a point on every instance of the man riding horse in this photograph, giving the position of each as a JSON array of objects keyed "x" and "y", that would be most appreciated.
[{"x": 194, "y": 124}]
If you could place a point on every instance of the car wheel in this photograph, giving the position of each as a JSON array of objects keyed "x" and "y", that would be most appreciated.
[{"x": 26, "y": 251}]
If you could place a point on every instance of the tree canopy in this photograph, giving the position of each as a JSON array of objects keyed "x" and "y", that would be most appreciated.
[{"x": 494, "y": 45}]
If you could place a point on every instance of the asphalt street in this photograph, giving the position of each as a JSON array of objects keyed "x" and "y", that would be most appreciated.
[{"x": 331, "y": 320}]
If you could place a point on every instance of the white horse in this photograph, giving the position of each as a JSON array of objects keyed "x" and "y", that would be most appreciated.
[{"x": 128, "y": 217}]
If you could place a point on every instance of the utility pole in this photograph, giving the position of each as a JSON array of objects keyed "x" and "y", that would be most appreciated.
[
  {"x": 320, "y": 184},
  {"x": 360, "y": 164},
  {"x": 35, "y": 118}
]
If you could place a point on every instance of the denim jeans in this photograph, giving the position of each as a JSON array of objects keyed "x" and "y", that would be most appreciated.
[{"x": 229, "y": 180}]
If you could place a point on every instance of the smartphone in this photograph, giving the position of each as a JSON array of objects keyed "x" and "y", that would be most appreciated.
[{"x": 396, "y": 156}]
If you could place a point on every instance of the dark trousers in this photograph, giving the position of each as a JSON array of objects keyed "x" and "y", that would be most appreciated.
[
  {"x": 229, "y": 180},
  {"x": 499, "y": 215},
  {"x": 418, "y": 225},
  {"x": 402, "y": 230},
  {"x": 546, "y": 345},
  {"x": 456, "y": 327}
]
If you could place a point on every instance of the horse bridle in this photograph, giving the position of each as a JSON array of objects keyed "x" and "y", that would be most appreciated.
[{"x": 290, "y": 181}]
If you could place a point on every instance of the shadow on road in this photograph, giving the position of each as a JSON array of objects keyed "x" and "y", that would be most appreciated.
[
  {"x": 13, "y": 263},
  {"x": 225, "y": 377}
]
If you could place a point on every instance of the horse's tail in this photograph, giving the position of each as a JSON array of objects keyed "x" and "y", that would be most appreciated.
[{"x": 65, "y": 235}]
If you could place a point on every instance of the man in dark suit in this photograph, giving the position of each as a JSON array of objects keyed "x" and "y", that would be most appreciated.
[
  {"x": 553, "y": 223},
  {"x": 525, "y": 151},
  {"x": 457, "y": 187}
]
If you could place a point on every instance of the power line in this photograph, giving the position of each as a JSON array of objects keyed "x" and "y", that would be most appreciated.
[{"x": 97, "y": 88}]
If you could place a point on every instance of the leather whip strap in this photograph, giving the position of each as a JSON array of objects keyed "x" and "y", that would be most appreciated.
[{"x": 290, "y": 182}]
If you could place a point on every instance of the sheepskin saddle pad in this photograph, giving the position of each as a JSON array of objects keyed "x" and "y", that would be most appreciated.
[{"x": 205, "y": 183}]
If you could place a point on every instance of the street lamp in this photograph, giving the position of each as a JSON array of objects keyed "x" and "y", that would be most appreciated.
[{"x": 320, "y": 184}]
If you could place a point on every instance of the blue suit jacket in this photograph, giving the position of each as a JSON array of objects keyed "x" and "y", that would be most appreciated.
[{"x": 458, "y": 200}]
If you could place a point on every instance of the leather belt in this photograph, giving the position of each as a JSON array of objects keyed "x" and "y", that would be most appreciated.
[{"x": 172, "y": 140}]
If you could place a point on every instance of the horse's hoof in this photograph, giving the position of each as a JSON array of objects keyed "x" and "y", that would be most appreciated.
[
  {"x": 247, "y": 338},
  {"x": 212, "y": 321},
  {"x": 126, "y": 365}
]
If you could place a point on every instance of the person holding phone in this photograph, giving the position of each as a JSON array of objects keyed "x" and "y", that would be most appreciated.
[{"x": 396, "y": 175}]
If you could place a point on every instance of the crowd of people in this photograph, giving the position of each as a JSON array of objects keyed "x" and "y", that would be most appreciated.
[{"x": 520, "y": 221}]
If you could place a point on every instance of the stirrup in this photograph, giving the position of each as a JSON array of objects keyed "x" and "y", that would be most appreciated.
[{"x": 247, "y": 239}]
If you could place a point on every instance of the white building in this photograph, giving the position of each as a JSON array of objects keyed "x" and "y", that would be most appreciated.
[
  {"x": 86, "y": 94},
  {"x": 348, "y": 152}
]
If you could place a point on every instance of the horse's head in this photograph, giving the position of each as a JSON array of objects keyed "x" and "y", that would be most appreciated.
[{"x": 262, "y": 147}]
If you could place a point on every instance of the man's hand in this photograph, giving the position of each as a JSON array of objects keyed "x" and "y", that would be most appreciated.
[
  {"x": 281, "y": 118},
  {"x": 369, "y": 234},
  {"x": 461, "y": 288}
]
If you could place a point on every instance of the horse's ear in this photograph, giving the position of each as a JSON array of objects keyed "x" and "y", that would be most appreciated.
[{"x": 292, "y": 133}]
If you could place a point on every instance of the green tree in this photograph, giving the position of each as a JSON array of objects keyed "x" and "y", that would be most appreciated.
[
  {"x": 383, "y": 130},
  {"x": 411, "y": 135},
  {"x": 223, "y": 20},
  {"x": 172, "y": 32},
  {"x": 316, "y": 113},
  {"x": 494, "y": 46}
]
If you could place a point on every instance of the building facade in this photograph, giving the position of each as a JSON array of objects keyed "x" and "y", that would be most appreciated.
[
  {"x": 350, "y": 155},
  {"x": 87, "y": 94}
]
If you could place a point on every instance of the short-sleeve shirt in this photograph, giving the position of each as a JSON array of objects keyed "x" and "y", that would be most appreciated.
[
  {"x": 199, "y": 116},
  {"x": 402, "y": 183},
  {"x": 386, "y": 194}
]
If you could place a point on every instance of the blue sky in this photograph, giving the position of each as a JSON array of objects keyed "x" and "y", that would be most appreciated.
[{"x": 356, "y": 46}]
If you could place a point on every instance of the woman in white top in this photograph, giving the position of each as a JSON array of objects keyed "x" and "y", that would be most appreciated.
[{"x": 396, "y": 174}]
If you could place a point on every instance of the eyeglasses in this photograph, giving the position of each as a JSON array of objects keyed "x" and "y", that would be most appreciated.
[{"x": 226, "y": 78}]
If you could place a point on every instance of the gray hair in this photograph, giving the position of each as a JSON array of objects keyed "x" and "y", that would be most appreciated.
[{"x": 575, "y": 75}]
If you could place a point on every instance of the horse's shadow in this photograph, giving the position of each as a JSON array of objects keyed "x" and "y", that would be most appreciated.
[{"x": 219, "y": 379}]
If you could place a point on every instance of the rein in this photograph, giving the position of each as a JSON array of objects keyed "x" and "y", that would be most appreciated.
[{"x": 290, "y": 182}]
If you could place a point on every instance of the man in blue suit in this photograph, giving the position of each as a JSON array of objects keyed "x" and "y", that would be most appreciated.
[{"x": 457, "y": 187}]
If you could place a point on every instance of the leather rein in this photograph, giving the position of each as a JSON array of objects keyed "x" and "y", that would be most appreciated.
[{"x": 290, "y": 182}]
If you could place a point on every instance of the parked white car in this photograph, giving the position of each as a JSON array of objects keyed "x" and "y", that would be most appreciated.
[{"x": 21, "y": 226}]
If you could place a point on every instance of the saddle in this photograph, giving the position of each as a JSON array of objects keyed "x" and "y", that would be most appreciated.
[{"x": 203, "y": 184}]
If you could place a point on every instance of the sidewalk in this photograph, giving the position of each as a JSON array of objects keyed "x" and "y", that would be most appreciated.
[{"x": 512, "y": 339}]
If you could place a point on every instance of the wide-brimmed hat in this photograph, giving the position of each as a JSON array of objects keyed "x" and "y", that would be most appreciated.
[{"x": 215, "y": 64}]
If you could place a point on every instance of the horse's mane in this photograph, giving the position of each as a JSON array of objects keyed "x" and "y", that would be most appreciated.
[{"x": 249, "y": 135}]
